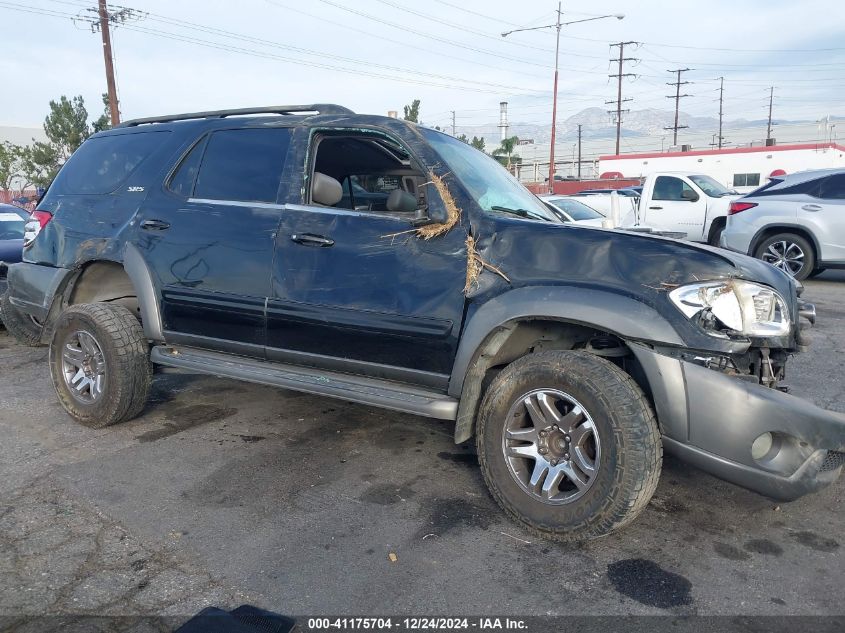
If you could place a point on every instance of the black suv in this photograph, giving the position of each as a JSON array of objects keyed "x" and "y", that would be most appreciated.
[{"x": 377, "y": 261}]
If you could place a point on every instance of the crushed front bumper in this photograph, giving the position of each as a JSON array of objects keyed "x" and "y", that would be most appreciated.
[{"x": 712, "y": 420}]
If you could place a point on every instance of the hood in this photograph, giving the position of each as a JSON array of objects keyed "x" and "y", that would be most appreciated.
[
  {"x": 638, "y": 265},
  {"x": 11, "y": 251}
]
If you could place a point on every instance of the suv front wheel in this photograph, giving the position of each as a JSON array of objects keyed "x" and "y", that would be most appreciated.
[
  {"x": 100, "y": 364},
  {"x": 568, "y": 445}
]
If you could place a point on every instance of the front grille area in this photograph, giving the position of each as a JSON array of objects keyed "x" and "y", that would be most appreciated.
[{"x": 833, "y": 461}]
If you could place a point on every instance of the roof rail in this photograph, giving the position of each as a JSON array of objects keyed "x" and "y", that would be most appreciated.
[{"x": 319, "y": 108}]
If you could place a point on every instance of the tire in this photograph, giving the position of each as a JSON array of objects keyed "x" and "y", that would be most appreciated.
[
  {"x": 100, "y": 364},
  {"x": 627, "y": 458},
  {"x": 20, "y": 325},
  {"x": 800, "y": 258},
  {"x": 716, "y": 235}
]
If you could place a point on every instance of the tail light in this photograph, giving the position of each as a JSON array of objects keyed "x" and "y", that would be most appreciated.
[
  {"x": 737, "y": 207},
  {"x": 37, "y": 221}
]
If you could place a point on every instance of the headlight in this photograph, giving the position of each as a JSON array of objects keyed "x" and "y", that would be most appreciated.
[{"x": 734, "y": 305}]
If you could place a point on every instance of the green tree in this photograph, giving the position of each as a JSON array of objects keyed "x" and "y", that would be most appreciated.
[
  {"x": 412, "y": 112},
  {"x": 11, "y": 165},
  {"x": 66, "y": 127},
  {"x": 505, "y": 150},
  {"x": 478, "y": 143},
  {"x": 104, "y": 120},
  {"x": 463, "y": 137}
]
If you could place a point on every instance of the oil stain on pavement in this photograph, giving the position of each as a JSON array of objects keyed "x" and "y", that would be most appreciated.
[{"x": 649, "y": 584}]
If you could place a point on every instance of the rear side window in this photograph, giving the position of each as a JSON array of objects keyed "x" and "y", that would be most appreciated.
[
  {"x": 102, "y": 164},
  {"x": 782, "y": 188},
  {"x": 243, "y": 165},
  {"x": 182, "y": 182},
  {"x": 833, "y": 187}
]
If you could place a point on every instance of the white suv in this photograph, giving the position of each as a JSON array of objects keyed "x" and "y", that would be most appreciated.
[{"x": 794, "y": 222}]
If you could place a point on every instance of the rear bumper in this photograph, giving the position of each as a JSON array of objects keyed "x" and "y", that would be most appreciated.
[
  {"x": 738, "y": 235},
  {"x": 711, "y": 420},
  {"x": 32, "y": 287}
]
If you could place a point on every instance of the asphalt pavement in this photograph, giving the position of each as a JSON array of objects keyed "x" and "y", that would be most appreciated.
[{"x": 226, "y": 492}]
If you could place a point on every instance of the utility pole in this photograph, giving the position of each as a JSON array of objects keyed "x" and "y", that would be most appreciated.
[
  {"x": 720, "y": 138},
  {"x": 557, "y": 25},
  {"x": 101, "y": 19},
  {"x": 453, "y": 123},
  {"x": 771, "y": 99},
  {"x": 579, "y": 150},
  {"x": 619, "y": 100},
  {"x": 677, "y": 97},
  {"x": 105, "y": 32}
]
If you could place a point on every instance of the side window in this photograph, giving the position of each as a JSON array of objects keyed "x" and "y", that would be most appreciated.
[
  {"x": 102, "y": 164},
  {"x": 670, "y": 188},
  {"x": 243, "y": 165},
  {"x": 833, "y": 187},
  {"x": 746, "y": 180},
  {"x": 182, "y": 181}
]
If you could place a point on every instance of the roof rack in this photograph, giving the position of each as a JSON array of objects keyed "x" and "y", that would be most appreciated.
[{"x": 319, "y": 108}]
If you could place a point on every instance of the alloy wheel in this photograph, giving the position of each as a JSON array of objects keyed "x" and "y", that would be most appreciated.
[
  {"x": 551, "y": 446},
  {"x": 786, "y": 255},
  {"x": 83, "y": 367}
]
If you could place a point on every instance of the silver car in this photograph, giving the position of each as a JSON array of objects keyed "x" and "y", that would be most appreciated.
[{"x": 794, "y": 222}]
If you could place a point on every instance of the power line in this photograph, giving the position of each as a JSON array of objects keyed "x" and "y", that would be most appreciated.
[
  {"x": 619, "y": 75},
  {"x": 677, "y": 97}
]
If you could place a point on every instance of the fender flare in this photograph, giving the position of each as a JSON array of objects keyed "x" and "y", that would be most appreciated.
[
  {"x": 615, "y": 313},
  {"x": 148, "y": 302},
  {"x": 786, "y": 227}
]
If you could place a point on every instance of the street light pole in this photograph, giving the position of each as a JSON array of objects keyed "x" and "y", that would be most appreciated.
[{"x": 557, "y": 26}]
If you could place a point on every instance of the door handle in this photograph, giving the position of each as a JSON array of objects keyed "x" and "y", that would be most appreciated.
[
  {"x": 812, "y": 207},
  {"x": 155, "y": 225},
  {"x": 656, "y": 208},
  {"x": 309, "y": 239}
]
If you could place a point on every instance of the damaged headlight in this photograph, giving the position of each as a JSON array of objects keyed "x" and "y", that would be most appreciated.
[{"x": 734, "y": 305}]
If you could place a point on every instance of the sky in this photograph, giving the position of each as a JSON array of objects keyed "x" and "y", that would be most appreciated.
[{"x": 378, "y": 55}]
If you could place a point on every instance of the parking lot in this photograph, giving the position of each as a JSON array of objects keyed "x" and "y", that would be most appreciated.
[{"x": 227, "y": 492}]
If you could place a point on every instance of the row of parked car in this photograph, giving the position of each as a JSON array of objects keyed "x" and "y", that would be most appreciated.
[
  {"x": 794, "y": 222},
  {"x": 12, "y": 222}
]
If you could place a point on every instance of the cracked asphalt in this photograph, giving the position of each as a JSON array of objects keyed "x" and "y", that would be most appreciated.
[{"x": 227, "y": 493}]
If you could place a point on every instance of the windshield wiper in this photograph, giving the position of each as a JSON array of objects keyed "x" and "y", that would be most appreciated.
[{"x": 522, "y": 213}]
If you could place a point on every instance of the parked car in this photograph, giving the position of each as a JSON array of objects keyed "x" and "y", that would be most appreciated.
[
  {"x": 12, "y": 221},
  {"x": 794, "y": 222},
  {"x": 221, "y": 244},
  {"x": 683, "y": 202},
  {"x": 569, "y": 210},
  {"x": 625, "y": 191}
]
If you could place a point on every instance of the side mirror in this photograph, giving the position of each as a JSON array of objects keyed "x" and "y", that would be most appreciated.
[
  {"x": 427, "y": 215},
  {"x": 689, "y": 195}
]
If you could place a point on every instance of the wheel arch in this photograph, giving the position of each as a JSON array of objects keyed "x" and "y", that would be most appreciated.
[
  {"x": 773, "y": 229},
  {"x": 513, "y": 324}
]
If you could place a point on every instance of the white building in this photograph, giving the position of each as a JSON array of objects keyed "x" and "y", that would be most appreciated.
[{"x": 740, "y": 168}]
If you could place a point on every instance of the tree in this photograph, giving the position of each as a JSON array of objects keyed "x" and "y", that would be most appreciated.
[
  {"x": 478, "y": 143},
  {"x": 11, "y": 165},
  {"x": 506, "y": 150},
  {"x": 66, "y": 127},
  {"x": 104, "y": 121},
  {"x": 463, "y": 137},
  {"x": 412, "y": 112}
]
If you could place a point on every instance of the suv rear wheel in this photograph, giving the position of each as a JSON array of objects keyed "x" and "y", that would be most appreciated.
[
  {"x": 568, "y": 445},
  {"x": 790, "y": 252},
  {"x": 25, "y": 329},
  {"x": 100, "y": 364}
]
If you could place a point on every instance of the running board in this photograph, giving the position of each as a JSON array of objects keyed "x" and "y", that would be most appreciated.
[{"x": 372, "y": 391}]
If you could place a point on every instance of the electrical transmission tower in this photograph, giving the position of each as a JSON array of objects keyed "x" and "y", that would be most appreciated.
[
  {"x": 677, "y": 97},
  {"x": 619, "y": 75}
]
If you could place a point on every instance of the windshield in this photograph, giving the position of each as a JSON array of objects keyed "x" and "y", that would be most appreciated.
[
  {"x": 490, "y": 184},
  {"x": 11, "y": 226},
  {"x": 708, "y": 185},
  {"x": 574, "y": 209}
]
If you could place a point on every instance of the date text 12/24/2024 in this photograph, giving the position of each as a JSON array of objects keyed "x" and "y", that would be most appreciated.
[{"x": 419, "y": 623}]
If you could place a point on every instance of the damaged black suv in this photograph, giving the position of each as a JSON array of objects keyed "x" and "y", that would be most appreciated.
[{"x": 373, "y": 260}]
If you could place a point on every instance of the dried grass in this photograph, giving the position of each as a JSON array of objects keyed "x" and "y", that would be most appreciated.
[{"x": 476, "y": 265}]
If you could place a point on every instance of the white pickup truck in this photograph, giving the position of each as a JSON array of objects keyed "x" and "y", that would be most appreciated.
[{"x": 682, "y": 202}]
